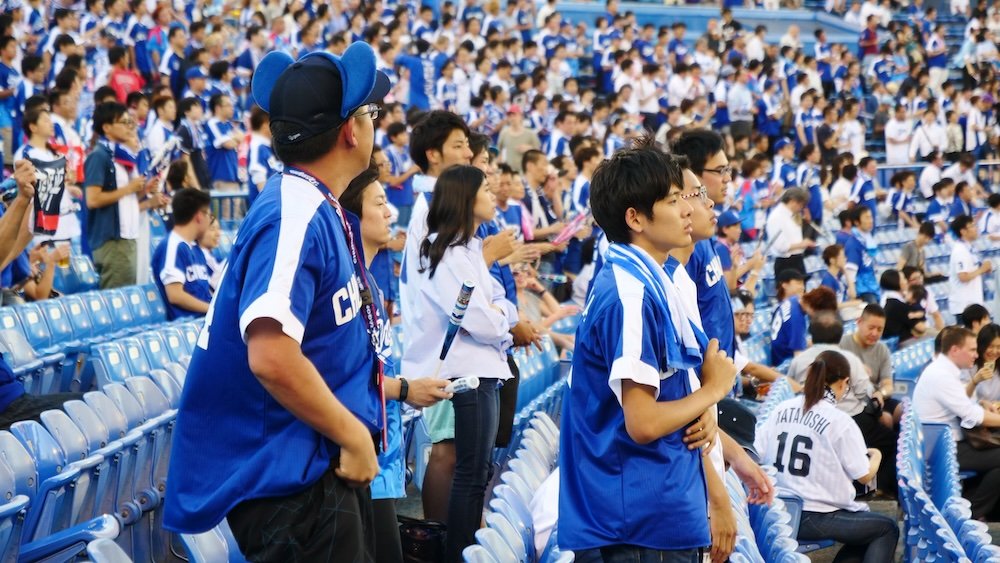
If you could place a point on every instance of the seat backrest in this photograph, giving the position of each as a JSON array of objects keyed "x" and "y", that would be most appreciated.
[
  {"x": 168, "y": 385},
  {"x": 136, "y": 300},
  {"x": 118, "y": 307},
  {"x": 19, "y": 461},
  {"x": 155, "y": 302},
  {"x": 15, "y": 348},
  {"x": 190, "y": 331},
  {"x": 35, "y": 327},
  {"x": 79, "y": 316},
  {"x": 99, "y": 314},
  {"x": 90, "y": 425},
  {"x": 9, "y": 320},
  {"x": 510, "y": 535},
  {"x": 112, "y": 360},
  {"x": 491, "y": 540},
  {"x": 177, "y": 345},
  {"x": 49, "y": 458},
  {"x": 135, "y": 356},
  {"x": 156, "y": 350},
  {"x": 126, "y": 404},
  {"x": 110, "y": 415},
  {"x": 476, "y": 553},
  {"x": 85, "y": 272},
  {"x": 106, "y": 550},
  {"x": 206, "y": 547},
  {"x": 55, "y": 315},
  {"x": 148, "y": 395},
  {"x": 67, "y": 434}
]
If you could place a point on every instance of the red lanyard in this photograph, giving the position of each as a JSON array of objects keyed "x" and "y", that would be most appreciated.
[{"x": 369, "y": 295}]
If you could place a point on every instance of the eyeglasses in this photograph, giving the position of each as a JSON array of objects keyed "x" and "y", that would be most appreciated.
[
  {"x": 127, "y": 122},
  {"x": 701, "y": 194},
  {"x": 374, "y": 110},
  {"x": 721, "y": 171}
]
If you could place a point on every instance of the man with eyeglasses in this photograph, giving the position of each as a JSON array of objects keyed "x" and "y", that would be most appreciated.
[
  {"x": 287, "y": 371},
  {"x": 116, "y": 195}
]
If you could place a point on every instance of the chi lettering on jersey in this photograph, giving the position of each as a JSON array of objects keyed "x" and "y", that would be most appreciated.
[
  {"x": 347, "y": 301},
  {"x": 714, "y": 272}
]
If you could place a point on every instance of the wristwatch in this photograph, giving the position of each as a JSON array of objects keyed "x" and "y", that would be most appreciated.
[{"x": 404, "y": 389}]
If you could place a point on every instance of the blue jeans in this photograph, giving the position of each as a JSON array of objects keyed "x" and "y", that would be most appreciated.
[
  {"x": 867, "y": 537},
  {"x": 477, "y": 417},
  {"x": 632, "y": 554}
]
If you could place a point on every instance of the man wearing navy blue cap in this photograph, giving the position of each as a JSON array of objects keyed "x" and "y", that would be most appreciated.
[{"x": 281, "y": 409}]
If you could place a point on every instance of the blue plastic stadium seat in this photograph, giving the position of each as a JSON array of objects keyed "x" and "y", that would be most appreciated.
[
  {"x": 85, "y": 273},
  {"x": 12, "y": 514},
  {"x": 491, "y": 540},
  {"x": 66, "y": 280},
  {"x": 79, "y": 318},
  {"x": 100, "y": 465},
  {"x": 155, "y": 302},
  {"x": 107, "y": 551},
  {"x": 139, "y": 307},
  {"x": 177, "y": 343},
  {"x": 511, "y": 536},
  {"x": 478, "y": 554},
  {"x": 135, "y": 356},
  {"x": 170, "y": 387},
  {"x": 109, "y": 364},
  {"x": 16, "y": 351},
  {"x": 121, "y": 313},
  {"x": 103, "y": 323},
  {"x": 38, "y": 339}
]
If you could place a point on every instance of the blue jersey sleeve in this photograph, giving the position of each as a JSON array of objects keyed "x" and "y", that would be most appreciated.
[
  {"x": 286, "y": 298},
  {"x": 725, "y": 258},
  {"x": 854, "y": 253}
]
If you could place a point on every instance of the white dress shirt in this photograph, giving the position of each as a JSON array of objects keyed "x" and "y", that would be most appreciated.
[
  {"x": 940, "y": 397},
  {"x": 963, "y": 294},
  {"x": 782, "y": 232}
]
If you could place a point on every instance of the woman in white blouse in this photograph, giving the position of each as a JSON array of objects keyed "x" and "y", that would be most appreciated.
[{"x": 450, "y": 255}]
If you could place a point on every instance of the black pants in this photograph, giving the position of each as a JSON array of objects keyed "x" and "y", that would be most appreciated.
[
  {"x": 328, "y": 521},
  {"x": 389, "y": 548},
  {"x": 984, "y": 494},
  {"x": 29, "y": 407},
  {"x": 796, "y": 262},
  {"x": 508, "y": 404},
  {"x": 884, "y": 440}
]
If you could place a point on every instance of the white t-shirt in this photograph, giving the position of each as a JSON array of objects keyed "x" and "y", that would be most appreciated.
[
  {"x": 822, "y": 453},
  {"x": 898, "y": 152},
  {"x": 963, "y": 294},
  {"x": 128, "y": 206}
]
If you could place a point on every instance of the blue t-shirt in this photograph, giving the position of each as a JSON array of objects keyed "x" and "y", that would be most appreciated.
[
  {"x": 233, "y": 441},
  {"x": 705, "y": 269},
  {"x": 857, "y": 255},
  {"x": 421, "y": 79},
  {"x": 9, "y": 79},
  {"x": 613, "y": 490},
  {"x": 863, "y": 193},
  {"x": 837, "y": 284},
  {"x": 178, "y": 261},
  {"x": 788, "y": 330},
  {"x": 400, "y": 161},
  {"x": 222, "y": 162}
]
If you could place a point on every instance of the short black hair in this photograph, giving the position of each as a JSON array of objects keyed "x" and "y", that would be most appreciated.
[
  {"x": 958, "y": 224},
  {"x": 305, "y": 151},
  {"x": 187, "y": 103},
  {"x": 187, "y": 203},
  {"x": 873, "y": 310},
  {"x": 431, "y": 132},
  {"x": 106, "y": 114},
  {"x": 116, "y": 54},
  {"x": 30, "y": 63},
  {"x": 826, "y": 327},
  {"x": 215, "y": 100},
  {"x": 993, "y": 200},
  {"x": 974, "y": 313},
  {"x": 927, "y": 229},
  {"x": 699, "y": 145},
  {"x": 633, "y": 178}
]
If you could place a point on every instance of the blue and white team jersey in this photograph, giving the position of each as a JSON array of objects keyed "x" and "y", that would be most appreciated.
[
  {"x": 901, "y": 201},
  {"x": 558, "y": 145},
  {"x": 222, "y": 162},
  {"x": 959, "y": 207},
  {"x": 863, "y": 193},
  {"x": 176, "y": 260},
  {"x": 860, "y": 260},
  {"x": 170, "y": 65},
  {"x": 788, "y": 330},
  {"x": 785, "y": 173},
  {"x": 613, "y": 144},
  {"x": 138, "y": 37},
  {"x": 938, "y": 210},
  {"x": 10, "y": 79},
  {"x": 809, "y": 180},
  {"x": 613, "y": 490},
  {"x": 989, "y": 223},
  {"x": 446, "y": 94},
  {"x": 580, "y": 195},
  {"x": 291, "y": 263},
  {"x": 421, "y": 79},
  {"x": 400, "y": 161},
  {"x": 837, "y": 284},
  {"x": 261, "y": 164},
  {"x": 716, "y": 308}
]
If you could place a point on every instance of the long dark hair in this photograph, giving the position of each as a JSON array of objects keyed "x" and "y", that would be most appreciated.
[
  {"x": 987, "y": 334},
  {"x": 450, "y": 214},
  {"x": 828, "y": 368}
]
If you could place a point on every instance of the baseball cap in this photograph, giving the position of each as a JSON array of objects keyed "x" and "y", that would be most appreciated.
[
  {"x": 195, "y": 72},
  {"x": 514, "y": 109},
  {"x": 728, "y": 218},
  {"x": 782, "y": 143},
  {"x": 789, "y": 275},
  {"x": 317, "y": 93}
]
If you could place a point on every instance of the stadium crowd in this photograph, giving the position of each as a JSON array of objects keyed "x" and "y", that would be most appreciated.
[{"x": 566, "y": 167}]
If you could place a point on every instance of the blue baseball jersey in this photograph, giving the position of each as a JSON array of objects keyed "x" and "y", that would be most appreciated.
[
  {"x": 788, "y": 330},
  {"x": 613, "y": 490},
  {"x": 176, "y": 260},
  {"x": 262, "y": 163},
  {"x": 959, "y": 207},
  {"x": 233, "y": 441},
  {"x": 837, "y": 284},
  {"x": 421, "y": 79},
  {"x": 858, "y": 256},
  {"x": 400, "y": 161},
  {"x": 222, "y": 162},
  {"x": 705, "y": 268},
  {"x": 938, "y": 211},
  {"x": 863, "y": 193},
  {"x": 10, "y": 79}
]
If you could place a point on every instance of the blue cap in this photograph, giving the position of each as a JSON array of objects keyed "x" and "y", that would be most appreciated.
[
  {"x": 317, "y": 93},
  {"x": 195, "y": 72},
  {"x": 781, "y": 143},
  {"x": 729, "y": 218}
]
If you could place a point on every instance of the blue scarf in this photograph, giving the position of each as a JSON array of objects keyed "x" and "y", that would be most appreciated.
[{"x": 679, "y": 339}]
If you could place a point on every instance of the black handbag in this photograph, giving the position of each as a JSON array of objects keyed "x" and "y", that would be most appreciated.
[{"x": 423, "y": 541}]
